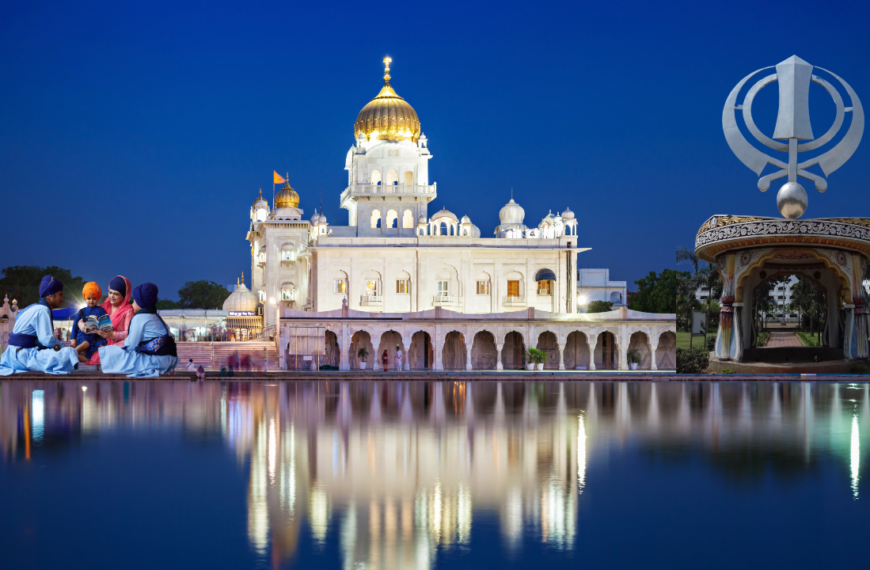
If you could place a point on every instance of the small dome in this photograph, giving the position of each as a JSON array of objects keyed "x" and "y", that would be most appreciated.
[
  {"x": 287, "y": 197},
  {"x": 241, "y": 300},
  {"x": 322, "y": 219},
  {"x": 387, "y": 117},
  {"x": 444, "y": 213},
  {"x": 260, "y": 203},
  {"x": 421, "y": 220},
  {"x": 567, "y": 214},
  {"x": 466, "y": 220},
  {"x": 511, "y": 213},
  {"x": 316, "y": 217}
]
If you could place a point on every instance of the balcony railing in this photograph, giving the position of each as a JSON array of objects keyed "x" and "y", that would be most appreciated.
[
  {"x": 514, "y": 302},
  {"x": 367, "y": 300},
  {"x": 441, "y": 300},
  {"x": 544, "y": 292},
  {"x": 261, "y": 260}
]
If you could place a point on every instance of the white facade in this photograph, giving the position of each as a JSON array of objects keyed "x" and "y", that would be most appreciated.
[{"x": 595, "y": 285}]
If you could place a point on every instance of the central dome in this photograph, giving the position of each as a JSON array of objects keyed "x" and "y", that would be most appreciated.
[
  {"x": 387, "y": 117},
  {"x": 287, "y": 197}
]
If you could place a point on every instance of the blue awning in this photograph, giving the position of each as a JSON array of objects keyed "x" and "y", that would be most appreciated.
[{"x": 545, "y": 275}]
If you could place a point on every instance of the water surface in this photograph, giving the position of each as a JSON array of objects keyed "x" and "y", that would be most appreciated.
[{"x": 420, "y": 475}]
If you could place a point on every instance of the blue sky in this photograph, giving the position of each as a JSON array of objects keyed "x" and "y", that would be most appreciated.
[{"x": 159, "y": 121}]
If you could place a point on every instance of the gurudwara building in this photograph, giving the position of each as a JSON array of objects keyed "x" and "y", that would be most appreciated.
[{"x": 396, "y": 271}]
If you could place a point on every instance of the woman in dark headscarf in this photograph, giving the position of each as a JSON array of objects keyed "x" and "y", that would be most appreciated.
[
  {"x": 117, "y": 306},
  {"x": 149, "y": 347}
]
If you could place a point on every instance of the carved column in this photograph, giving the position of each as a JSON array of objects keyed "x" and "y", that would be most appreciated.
[
  {"x": 653, "y": 344},
  {"x": 593, "y": 342},
  {"x": 437, "y": 348},
  {"x": 622, "y": 348},
  {"x": 344, "y": 357},
  {"x": 561, "y": 346},
  {"x": 499, "y": 365},
  {"x": 406, "y": 341}
]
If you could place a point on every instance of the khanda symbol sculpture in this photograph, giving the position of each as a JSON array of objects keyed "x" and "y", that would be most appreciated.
[{"x": 792, "y": 125}]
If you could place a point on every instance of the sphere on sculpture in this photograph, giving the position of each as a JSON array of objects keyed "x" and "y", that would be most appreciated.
[{"x": 791, "y": 200}]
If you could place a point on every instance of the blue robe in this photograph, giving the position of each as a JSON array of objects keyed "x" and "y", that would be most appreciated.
[
  {"x": 36, "y": 320},
  {"x": 116, "y": 359},
  {"x": 96, "y": 340}
]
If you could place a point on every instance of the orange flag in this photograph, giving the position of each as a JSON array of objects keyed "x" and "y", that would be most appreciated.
[{"x": 277, "y": 179}]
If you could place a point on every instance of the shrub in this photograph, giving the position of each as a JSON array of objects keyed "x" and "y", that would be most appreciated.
[
  {"x": 859, "y": 368},
  {"x": 536, "y": 356},
  {"x": 711, "y": 343},
  {"x": 692, "y": 360},
  {"x": 762, "y": 338},
  {"x": 633, "y": 355},
  {"x": 362, "y": 354},
  {"x": 727, "y": 371}
]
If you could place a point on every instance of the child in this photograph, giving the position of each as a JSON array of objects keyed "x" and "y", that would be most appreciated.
[{"x": 87, "y": 344}]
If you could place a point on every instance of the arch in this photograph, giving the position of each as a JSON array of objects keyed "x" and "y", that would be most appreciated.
[
  {"x": 376, "y": 219},
  {"x": 454, "y": 354},
  {"x": 616, "y": 298},
  {"x": 372, "y": 285},
  {"x": 358, "y": 340},
  {"x": 376, "y": 177},
  {"x": 513, "y": 352},
  {"x": 409, "y": 178},
  {"x": 640, "y": 342},
  {"x": 408, "y": 220},
  {"x": 421, "y": 354},
  {"x": 392, "y": 178},
  {"x": 392, "y": 219},
  {"x": 606, "y": 352},
  {"x": 484, "y": 354},
  {"x": 548, "y": 344},
  {"x": 577, "y": 352},
  {"x": 287, "y": 291},
  {"x": 389, "y": 341},
  {"x": 442, "y": 229},
  {"x": 666, "y": 351},
  {"x": 520, "y": 288},
  {"x": 842, "y": 277},
  {"x": 332, "y": 352}
]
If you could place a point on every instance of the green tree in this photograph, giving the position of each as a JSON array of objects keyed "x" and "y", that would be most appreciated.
[
  {"x": 657, "y": 293},
  {"x": 202, "y": 295},
  {"x": 599, "y": 307},
  {"x": 21, "y": 282},
  {"x": 164, "y": 304}
]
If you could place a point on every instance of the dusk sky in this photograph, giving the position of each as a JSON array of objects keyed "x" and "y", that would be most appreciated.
[{"x": 134, "y": 136}]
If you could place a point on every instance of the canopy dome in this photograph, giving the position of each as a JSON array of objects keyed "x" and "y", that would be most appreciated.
[
  {"x": 242, "y": 300},
  {"x": 511, "y": 213},
  {"x": 261, "y": 203},
  {"x": 387, "y": 117},
  {"x": 287, "y": 197}
]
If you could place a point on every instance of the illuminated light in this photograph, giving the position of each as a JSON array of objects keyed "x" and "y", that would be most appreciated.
[
  {"x": 582, "y": 299},
  {"x": 38, "y": 416},
  {"x": 855, "y": 456},
  {"x": 84, "y": 388},
  {"x": 272, "y": 300},
  {"x": 581, "y": 454}
]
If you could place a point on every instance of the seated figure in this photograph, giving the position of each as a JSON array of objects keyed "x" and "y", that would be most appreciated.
[
  {"x": 87, "y": 344},
  {"x": 149, "y": 349},
  {"x": 32, "y": 344}
]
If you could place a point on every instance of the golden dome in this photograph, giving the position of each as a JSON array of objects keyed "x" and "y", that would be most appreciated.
[
  {"x": 387, "y": 117},
  {"x": 287, "y": 197}
]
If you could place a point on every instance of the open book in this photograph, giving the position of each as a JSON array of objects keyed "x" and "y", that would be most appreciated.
[{"x": 103, "y": 323}]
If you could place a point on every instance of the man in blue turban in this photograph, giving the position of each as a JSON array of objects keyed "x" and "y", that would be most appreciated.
[
  {"x": 32, "y": 344},
  {"x": 149, "y": 349}
]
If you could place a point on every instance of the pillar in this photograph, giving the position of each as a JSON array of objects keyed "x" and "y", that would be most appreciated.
[
  {"x": 499, "y": 365},
  {"x": 406, "y": 341},
  {"x": 621, "y": 349},
  {"x": 344, "y": 347},
  {"x": 653, "y": 345},
  {"x": 437, "y": 349},
  {"x": 468, "y": 345},
  {"x": 593, "y": 342},
  {"x": 561, "y": 346}
]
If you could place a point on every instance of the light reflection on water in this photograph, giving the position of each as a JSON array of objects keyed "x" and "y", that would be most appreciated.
[{"x": 394, "y": 472}]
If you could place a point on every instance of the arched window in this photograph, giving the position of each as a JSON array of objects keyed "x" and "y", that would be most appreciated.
[
  {"x": 392, "y": 219},
  {"x": 288, "y": 292},
  {"x": 408, "y": 220},
  {"x": 392, "y": 178},
  {"x": 376, "y": 219},
  {"x": 409, "y": 178},
  {"x": 442, "y": 229},
  {"x": 376, "y": 177}
]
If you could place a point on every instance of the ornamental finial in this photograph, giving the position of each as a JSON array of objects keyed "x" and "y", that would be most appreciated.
[
  {"x": 387, "y": 61},
  {"x": 243, "y": 277}
]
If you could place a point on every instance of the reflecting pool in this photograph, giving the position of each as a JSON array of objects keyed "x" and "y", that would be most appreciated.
[{"x": 424, "y": 475}]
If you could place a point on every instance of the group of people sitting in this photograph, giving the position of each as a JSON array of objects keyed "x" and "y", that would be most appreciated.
[{"x": 139, "y": 343}]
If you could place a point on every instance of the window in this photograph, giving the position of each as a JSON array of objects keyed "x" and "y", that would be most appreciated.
[
  {"x": 376, "y": 177},
  {"x": 442, "y": 288},
  {"x": 408, "y": 220},
  {"x": 392, "y": 219},
  {"x": 403, "y": 286},
  {"x": 339, "y": 286},
  {"x": 376, "y": 219},
  {"x": 371, "y": 288},
  {"x": 483, "y": 287},
  {"x": 545, "y": 287},
  {"x": 409, "y": 178},
  {"x": 513, "y": 289}
]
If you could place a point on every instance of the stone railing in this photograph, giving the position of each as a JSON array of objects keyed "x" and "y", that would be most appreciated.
[
  {"x": 441, "y": 300},
  {"x": 367, "y": 300},
  {"x": 514, "y": 302}
]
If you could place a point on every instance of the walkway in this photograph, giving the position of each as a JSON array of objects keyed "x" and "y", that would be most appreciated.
[{"x": 780, "y": 339}]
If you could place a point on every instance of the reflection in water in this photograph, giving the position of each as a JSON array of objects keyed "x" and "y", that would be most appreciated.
[{"x": 394, "y": 471}]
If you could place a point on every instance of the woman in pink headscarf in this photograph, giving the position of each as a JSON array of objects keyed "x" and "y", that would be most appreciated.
[{"x": 117, "y": 305}]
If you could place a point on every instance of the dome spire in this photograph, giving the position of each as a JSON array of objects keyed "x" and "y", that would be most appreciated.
[
  {"x": 243, "y": 277},
  {"x": 387, "y": 61}
]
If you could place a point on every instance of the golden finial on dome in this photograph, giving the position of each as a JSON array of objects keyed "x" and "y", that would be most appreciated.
[
  {"x": 243, "y": 277},
  {"x": 287, "y": 196},
  {"x": 387, "y": 61}
]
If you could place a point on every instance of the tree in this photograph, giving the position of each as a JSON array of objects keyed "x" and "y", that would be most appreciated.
[
  {"x": 21, "y": 282},
  {"x": 202, "y": 295},
  {"x": 164, "y": 304},
  {"x": 599, "y": 307},
  {"x": 657, "y": 293}
]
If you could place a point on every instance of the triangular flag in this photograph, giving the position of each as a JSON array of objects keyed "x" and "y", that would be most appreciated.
[{"x": 278, "y": 179}]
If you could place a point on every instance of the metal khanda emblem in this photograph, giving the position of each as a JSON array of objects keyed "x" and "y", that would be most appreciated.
[{"x": 792, "y": 125}]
